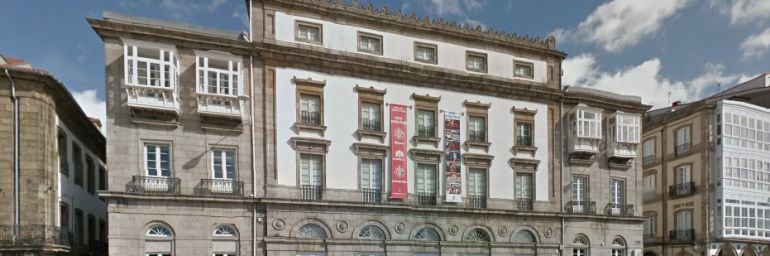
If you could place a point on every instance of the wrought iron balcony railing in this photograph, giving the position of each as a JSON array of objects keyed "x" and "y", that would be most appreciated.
[
  {"x": 524, "y": 204},
  {"x": 34, "y": 235},
  {"x": 311, "y": 192},
  {"x": 682, "y": 235},
  {"x": 681, "y": 189},
  {"x": 153, "y": 185},
  {"x": 310, "y": 117},
  {"x": 476, "y": 136},
  {"x": 219, "y": 187},
  {"x": 682, "y": 149},
  {"x": 426, "y": 131},
  {"x": 581, "y": 207},
  {"x": 478, "y": 202},
  {"x": 426, "y": 198},
  {"x": 370, "y": 195},
  {"x": 523, "y": 141},
  {"x": 619, "y": 209},
  {"x": 648, "y": 161},
  {"x": 371, "y": 125}
]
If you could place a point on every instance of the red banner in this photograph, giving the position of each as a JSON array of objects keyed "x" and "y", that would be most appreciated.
[{"x": 398, "y": 170}]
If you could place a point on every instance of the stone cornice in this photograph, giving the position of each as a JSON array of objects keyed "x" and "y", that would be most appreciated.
[{"x": 396, "y": 18}]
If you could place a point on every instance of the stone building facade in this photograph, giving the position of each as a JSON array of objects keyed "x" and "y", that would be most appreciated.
[
  {"x": 706, "y": 172},
  {"x": 60, "y": 164},
  {"x": 360, "y": 131}
]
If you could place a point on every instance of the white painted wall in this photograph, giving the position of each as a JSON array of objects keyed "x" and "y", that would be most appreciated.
[
  {"x": 75, "y": 196},
  {"x": 399, "y": 47},
  {"x": 340, "y": 111}
]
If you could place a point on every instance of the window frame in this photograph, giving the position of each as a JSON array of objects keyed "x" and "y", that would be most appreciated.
[
  {"x": 361, "y": 35},
  {"x": 622, "y": 198},
  {"x": 224, "y": 150},
  {"x": 426, "y": 103},
  {"x": 483, "y": 56},
  {"x": 586, "y": 188},
  {"x": 90, "y": 175},
  {"x": 322, "y": 171},
  {"x": 530, "y": 65},
  {"x": 133, "y": 55},
  {"x": 381, "y": 160},
  {"x": 102, "y": 178},
  {"x": 434, "y": 47},
  {"x": 524, "y": 116},
  {"x": 687, "y": 226},
  {"x": 687, "y": 178},
  {"x": 302, "y": 23},
  {"x": 585, "y": 132},
  {"x": 617, "y": 131},
  {"x": 374, "y": 97},
  {"x": 644, "y": 144},
  {"x": 235, "y": 68},
  {"x": 159, "y": 170},
  {"x": 309, "y": 87},
  {"x": 531, "y": 174},
  {"x": 78, "y": 163},
  {"x": 688, "y": 142},
  {"x": 436, "y": 169},
  {"x": 485, "y": 182},
  {"x": 62, "y": 141}
]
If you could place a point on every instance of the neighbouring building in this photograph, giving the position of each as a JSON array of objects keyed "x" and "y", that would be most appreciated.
[
  {"x": 336, "y": 129},
  {"x": 60, "y": 163},
  {"x": 706, "y": 183}
]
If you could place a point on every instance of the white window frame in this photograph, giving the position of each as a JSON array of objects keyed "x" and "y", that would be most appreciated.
[
  {"x": 684, "y": 220},
  {"x": 310, "y": 102},
  {"x": 158, "y": 163},
  {"x": 314, "y": 177},
  {"x": 369, "y": 166},
  {"x": 370, "y": 46},
  {"x": 420, "y": 174},
  {"x": 579, "y": 188},
  {"x": 588, "y": 127},
  {"x": 683, "y": 174},
  {"x": 684, "y": 136},
  {"x": 521, "y": 190},
  {"x": 626, "y": 129},
  {"x": 223, "y": 166},
  {"x": 234, "y": 83},
  {"x": 131, "y": 55},
  {"x": 648, "y": 148},
  {"x": 477, "y": 182},
  {"x": 617, "y": 191}
]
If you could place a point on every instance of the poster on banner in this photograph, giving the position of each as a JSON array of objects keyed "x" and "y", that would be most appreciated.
[
  {"x": 398, "y": 170},
  {"x": 452, "y": 156}
]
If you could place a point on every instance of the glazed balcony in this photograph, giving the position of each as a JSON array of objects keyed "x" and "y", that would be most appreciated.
[
  {"x": 229, "y": 106},
  {"x": 682, "y": 189},
  {"x": 219, "y": 187},
  {"x": 153, "y": 185},
  {"x": 34, "y": 236},
  {"x": 619, "y": 209},
  {"x": 581, "y": 207},
  {"x": 160, "y": 98}
]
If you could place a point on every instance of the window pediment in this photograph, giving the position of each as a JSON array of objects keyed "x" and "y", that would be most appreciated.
[
  {"x": 310, "y": 145},
  {"x": 366, "y": 149}
]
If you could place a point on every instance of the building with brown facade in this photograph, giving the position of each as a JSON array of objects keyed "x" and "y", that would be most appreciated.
[
  {"x": 337, "y": 129},
  {"x": 52, "y": 156},
  {"x": 706, "y": 184}
]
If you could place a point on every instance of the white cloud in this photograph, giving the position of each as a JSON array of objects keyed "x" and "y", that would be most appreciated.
[
  {"x": 743, "y": 11},
  {"x": 644, "y": 80},
  {"x": 461, "y": 8},
  {"x": 756, "y": 45},
  {"x": 622, "y": 23},
  {"x": 92, "y": 105},
  {"x": 180, "y": 9}
]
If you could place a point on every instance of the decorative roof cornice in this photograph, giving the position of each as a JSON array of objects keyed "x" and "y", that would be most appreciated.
[{"x": 435, "y": 25}]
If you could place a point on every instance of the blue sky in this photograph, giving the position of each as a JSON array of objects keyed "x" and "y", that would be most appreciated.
[{"x": 660, "y": 50}]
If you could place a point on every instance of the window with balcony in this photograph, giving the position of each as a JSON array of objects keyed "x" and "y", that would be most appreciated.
[
  {"x": 580, "y": 190},
  {"x": 524, "y": 130},
  {"x": 426, "y": 118},
  {"x": 219, "y": 85},
  {"x": 224, "y": 176},
  {"x": 524, "y": 134},
  {"x": 648, "y": 187},
  {"x": 311, "y": 176},
  {"x": 61, "y": 142},
  {"x": 649, "y": 227},
  {"x": 683, "y": 181},
  {"x": 157, "y": 160},
  {"x": 425, "y": 183},
  {"x": 90, "y": 176},
  {"x": 150, "y": 75},
  {"x": 477, "y": 129},
  {"x": 648, "y": 152},
  {"x": 477, "y": 187},
  {"x": 371, "y": 179},
  {"x": 426, "y": 123},
  {"x": 157, "y": 177},
  {"x": 370, "y": 116},
  {"x": 425, "y": 53},
  {"x": 476, "y": 62},
  {"x": 625, "y": 132},
  {"x": 522, "y": 192},
  {"x": 683, "y": 140},
  {"x": 308, "y": 32},
  {"x": 310, "y": 109},
  {"x": 617, "y": 205},
  {"x": 310, "y": 104},
  {"x": 77, "y": 157},
  {"x": 586, "y": 133},
  {"x": 683, "y": 224},
  {"x": 369, "y": 43},
  {"x": 523, "y": 70}
]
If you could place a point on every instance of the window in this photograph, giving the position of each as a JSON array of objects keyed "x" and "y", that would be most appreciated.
[
  {"x": 648, "y": 152},
  {"x": 426, "y": 123},
  {"x": 477, "y": 235},
  {"x": 427, "y": 234},
  {"x": 648, "y": 187},
  {"x": 683, "y": 174},
  {"x": 425, "y": 179},
  {"x": 91, "y": 228},
  {"x": 580, "y": 246},
  {"x": 149, "y": 66},
  {"x": 77, "y": 157},
  {"x": 683, "y": 140},
  {"x": 425, "y": 53},
  {"x": 218, "y": 76},
  {"x": 525, "y": 237},
  {"x": 579, "y": 188},
  {"x": 157, "y": 160},
  {"x": 477, "y": 182},
  {"x": 311, "y": 231},
  {"x": 225, "y": 231},
  {"x": 102, "y": 231},
  {"x": 159, "y": 241},
  {"x": 371, "y": 232},
  {"x": 102, "y": 178},
  {"x": 91, "y": 177},
  {"x": 79, "y": 229},
  {"x": 159, "y": 231},
  {"x": 371, "y": 174},
  {"x": 523, "y": 70},
  {"x": 649, "y": 227},
  {"x": 618, "y": 247},
  {"x": 588, "y": 124},
  {"x": 308, "y": 32},
  {"x": 476, "y": 62},
  {"x": 522, "y": 186},
  {"x": 310, "y": 109},
  {"x": 310, "y": 104},
  {"x": 223, "y": 163},
  {"x": 477, "y": 129},
  {"x": 617, "y": 192},
  {"x": 369, "y": 43},
  {"x": 311, "y": 170},
  {"x": 371, "y": 116},
  {"x": 524, "y": 134},
  {"x": 61, "y": 140},
  {"x": 684, "y": 220},
  {"x": 64, "y": 216},
  {"x": 625, "y": 129}
]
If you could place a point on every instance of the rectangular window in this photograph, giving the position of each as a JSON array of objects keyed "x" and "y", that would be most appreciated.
[
  {"x": 588, "y": 124},
  {"x": 426, "y": 123},
  {"x": 371, "y": 174},
  {"x": 523, "y": 70},
  {"x": 648, "y": 151},
  {"x": 477, "y": 182},
  {"x": 683, "y": 140},
  {"x": 309, "y": 32},
  {"x": 102, "y": 178},
  {"x": 64, "y": 216},
  {"x": 149, "y": 66},
  {"x": 477, "y": 129},
  {"x": 626, "y": 129},
  {"x": 579, "y": 188},
  {"x": 684, "y": 220},
  {"x": 79, "y": 229},
  {"x": 311, "y": 170},
  {"x": 102, "y": 231},
  {"x": 649, "y": 226},
  {"x": 91, "y": 228},
  {"x": 91, "y": 178},
  {"x": 683, "y": 174},
  {"x": 425, "y": 179},
  {"x": 369, "y": 43},
  {"x": 77, "y": 157},
  {"x": 223, "y": 163},
  {"x": 522, "y": 186},
  {"x": 218, "y": 76},
  {"x": 61, "y": 141},
  {"x": 648, "y": 187},
  {"x": 157, "y": 160},
  {"x": 617, "y": 192},
  {"x": 310, "y": 109},
  {"x": 371, "y": 117},
  {"x": 524, "y": 134},
  {"x": 425, "y": 53},
  {"x": 476, "y": 62}
]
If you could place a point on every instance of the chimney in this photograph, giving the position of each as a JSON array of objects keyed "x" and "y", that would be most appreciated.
[
  {"x": 676, "y": 103},
  {"x": 96, "y": 122}
]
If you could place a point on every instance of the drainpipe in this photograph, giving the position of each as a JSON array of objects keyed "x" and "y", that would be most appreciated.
[
  {"x": 253, "y": 143},
  {"x": 561, "y": 170},
  {"x": 16, "y": 170}
]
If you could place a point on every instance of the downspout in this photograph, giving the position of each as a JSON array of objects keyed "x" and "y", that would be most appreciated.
[
  {"x": 561, "y": 170},
  {"x": 16, "y": 170},
  {"x": 253, "y": 142}
]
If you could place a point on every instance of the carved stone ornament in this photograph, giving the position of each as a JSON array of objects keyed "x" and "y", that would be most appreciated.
[
  {"x": 547, "y": 232},
  {"x": 342, "y": 226},
  {"x": 279, "y": 224},
  {"x": 502, "y": 231},
  {"x": 453, "y": 230},
  {"x": 400, "y": 227}
]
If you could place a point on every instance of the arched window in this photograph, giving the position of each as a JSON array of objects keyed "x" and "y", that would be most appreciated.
[
  {"x": 311, "y": 231},
  {"x": 224, "y": 241},
  {"x": 371, "y": 232},
  {"x": 477, "y": 235},
  {"x": 427, "y": 234},
  {"x": 158, "y": 241},
  {"x": 525, "y": 237},
  {"x": 618, "y": 247},
  {"x": 580, "y": 246},
  {"x": 225, "y": 231}
]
